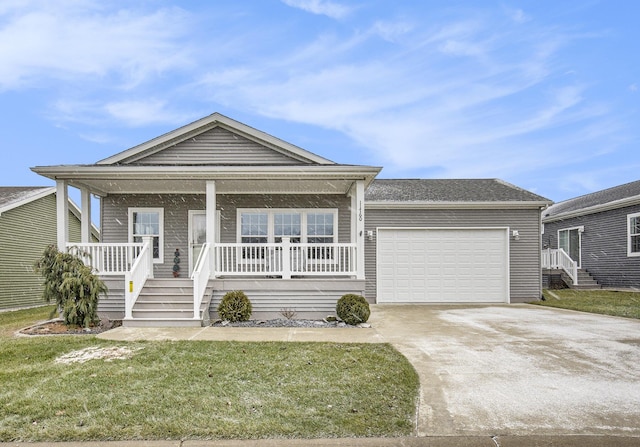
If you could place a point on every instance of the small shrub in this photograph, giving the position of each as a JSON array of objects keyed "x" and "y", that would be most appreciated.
[
  {"x": 353, "y": 309},
  {"x": 288, "y": 313},
  {"x": 235, "y": 306}
]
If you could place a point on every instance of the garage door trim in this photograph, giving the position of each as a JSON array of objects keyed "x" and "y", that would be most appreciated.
[{"x": 505, "y": 256}]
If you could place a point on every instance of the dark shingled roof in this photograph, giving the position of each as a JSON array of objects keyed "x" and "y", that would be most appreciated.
[
  {"x": 597, "y": 198},
  {"x": 448, "y": 190},
  {"x": 14, "y": 194}
]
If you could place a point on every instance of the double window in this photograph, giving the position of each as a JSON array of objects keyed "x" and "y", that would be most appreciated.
[
  {"x": 148, "y": 222},
  {"x": 317, "y": 226},
  {"x": 633, "y": 234}
]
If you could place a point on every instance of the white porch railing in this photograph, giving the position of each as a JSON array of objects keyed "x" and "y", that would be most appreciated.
[
  {"x": 107, "y": 259},
  {"x": 559, "y": 259},
  {"x": 285, "y": 259},
  {"x": 134, "y": 280},
  {"x": 200, "y": 277}
]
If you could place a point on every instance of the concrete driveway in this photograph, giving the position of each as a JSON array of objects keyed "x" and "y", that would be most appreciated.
[{"x": 518, "y": 369}]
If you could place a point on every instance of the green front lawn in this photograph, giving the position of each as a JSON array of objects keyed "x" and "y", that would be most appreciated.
[
  {"x": 199, "y": 390},
  {"x": 608, "y": 302}
]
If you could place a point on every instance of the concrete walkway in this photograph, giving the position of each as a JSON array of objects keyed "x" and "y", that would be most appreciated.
[{"x": 490, "y": 375}]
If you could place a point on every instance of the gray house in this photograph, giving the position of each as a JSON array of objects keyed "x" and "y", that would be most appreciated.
[
  {"x": 27, "y": 226},
  {"x": 217, "y": 205},
  {"x": 600, "y": 232}
]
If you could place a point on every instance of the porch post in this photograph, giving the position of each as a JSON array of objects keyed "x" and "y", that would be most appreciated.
[
  {"x": 62, "y": 211},
  {"x": 85, "y": 219},
  {"x": 211, "y": 221},
  {"x": 357, "y": 225}
]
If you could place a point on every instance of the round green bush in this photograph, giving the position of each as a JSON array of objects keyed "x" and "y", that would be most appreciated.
[
  {"x": 353, "y": 309},
  {"x": 235, "y": 306}
]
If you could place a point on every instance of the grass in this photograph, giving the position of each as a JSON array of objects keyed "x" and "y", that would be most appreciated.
[
  {"x": 199, "y": 389},
  {"x": 608, "y": 302}
]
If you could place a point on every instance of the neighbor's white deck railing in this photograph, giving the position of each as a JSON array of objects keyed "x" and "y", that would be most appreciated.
[
  {"x": 559, "y": 259},
  {"x": 285, "y": 259},
  {"x": 200, "y": 277},
  {"x": 107, "y": 259},
  {"x": 134, "y": 280}
]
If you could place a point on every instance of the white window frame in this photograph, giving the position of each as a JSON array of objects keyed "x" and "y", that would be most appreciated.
[
  {"x": 631, "y": 253},
  {"x": 580, "y": 230},
  {"x": 160, "y": 212},
  {"x": 273, "y": 211}
]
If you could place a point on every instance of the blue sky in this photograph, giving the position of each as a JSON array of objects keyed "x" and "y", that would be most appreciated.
[{"x": 542, "y": 93}]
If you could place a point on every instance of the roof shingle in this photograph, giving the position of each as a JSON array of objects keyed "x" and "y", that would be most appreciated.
[{"x": 448, "y": 190}]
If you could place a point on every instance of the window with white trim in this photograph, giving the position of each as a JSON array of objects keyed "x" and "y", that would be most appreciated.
[
  {"x": 633, "y": 234},
  {"x": 148, "y": 222},
  {"x": 315, "y": 226}
]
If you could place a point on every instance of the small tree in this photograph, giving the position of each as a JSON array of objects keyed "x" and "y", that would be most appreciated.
[{"x": 71, "y": 285}]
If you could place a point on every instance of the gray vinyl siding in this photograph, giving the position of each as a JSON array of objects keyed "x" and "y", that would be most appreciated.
[
  {"x": 25, "y": 232},
  {"x": 218, "y": 146},
  {"x": 524, "y": 259},
  {"x": 604, "y": 246}
]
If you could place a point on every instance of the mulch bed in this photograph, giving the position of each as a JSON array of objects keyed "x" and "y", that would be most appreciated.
[{"x": 57, "y": 327}]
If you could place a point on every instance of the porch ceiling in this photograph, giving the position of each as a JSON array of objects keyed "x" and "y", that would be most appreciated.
[{"x": 336, "y": 179}]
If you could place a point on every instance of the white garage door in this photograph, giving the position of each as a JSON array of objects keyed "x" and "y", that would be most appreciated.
[{"x": 442, "y": 265}]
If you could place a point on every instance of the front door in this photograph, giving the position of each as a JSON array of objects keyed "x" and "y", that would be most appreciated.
[
  {"x": 197, "y": 235},
  {"x": 570, "y": 241}
]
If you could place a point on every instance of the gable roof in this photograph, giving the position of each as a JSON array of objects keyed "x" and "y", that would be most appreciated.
[
  {"x": 14, "y": 196},
  {"x": 450, "y": 193},
  {"x": 595, "y": 202},
  {"x": 172, "y": 144}
]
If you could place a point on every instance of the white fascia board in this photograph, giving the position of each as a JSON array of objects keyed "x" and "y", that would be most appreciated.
[
  {"x": 30, "y": 198},
  {"x": 204, "y": 124},
  {"x": 454, "y": 205},
  {"x": 205, "y": 172},
  {"x": 621, "y": 203},
  {"x": 75, "y": 209}
]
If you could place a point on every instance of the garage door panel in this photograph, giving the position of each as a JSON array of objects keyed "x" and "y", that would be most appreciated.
[{"x": 442, "y": 265}]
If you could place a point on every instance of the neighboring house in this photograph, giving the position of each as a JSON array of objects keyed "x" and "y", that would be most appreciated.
[
  {"x": 600, "y": 232},
  {"x": 27, "y": 227},
  {"x": 245, "y": 210}
]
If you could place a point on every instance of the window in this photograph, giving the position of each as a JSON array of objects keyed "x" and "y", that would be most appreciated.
[
  {"x": 633, "y": 231},
  {"x": 148, "y": 222},
  {"x": 316, "y": 226},
  {"x": 287, "y": 224},
  {"x": 254, "y": 228}
]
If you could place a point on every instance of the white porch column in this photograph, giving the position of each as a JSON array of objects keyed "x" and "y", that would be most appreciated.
[
  {"x": 85, "y": 220},
  {"x": 62, "y": 211},
  {"x": 211, "y": 220},
  {"x": 357, "y": 225}
]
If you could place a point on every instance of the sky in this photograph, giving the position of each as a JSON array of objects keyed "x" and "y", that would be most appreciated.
[{"x": 542, "y": 93}]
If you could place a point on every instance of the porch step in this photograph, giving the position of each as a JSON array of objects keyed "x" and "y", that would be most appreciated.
[
  {"x": 167, "y": 303},
  {"x": 585, "y": 281}
]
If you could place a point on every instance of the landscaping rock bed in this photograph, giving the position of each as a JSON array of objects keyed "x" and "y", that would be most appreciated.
[{"x": 283, "y": 322}]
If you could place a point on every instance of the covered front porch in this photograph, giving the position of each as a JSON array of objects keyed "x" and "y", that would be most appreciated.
[{"x": 258, "y": 238}]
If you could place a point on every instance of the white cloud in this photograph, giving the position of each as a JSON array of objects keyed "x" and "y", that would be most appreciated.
[
  {"x": 321, "y": 7},
  {"x": 137, "y": 113},
  {"x": 71, "y": 40},
  {"x": 466, "y": 98}
]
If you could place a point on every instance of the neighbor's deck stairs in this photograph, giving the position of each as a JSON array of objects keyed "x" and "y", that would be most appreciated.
[
  {"x": 168, "y": 303},
  {"x": 585, "y": 281}
]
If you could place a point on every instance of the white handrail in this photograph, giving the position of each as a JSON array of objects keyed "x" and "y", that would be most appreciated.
[
  {"x": 141, "y": 270},
  {"x": 559, "y": 259},
  {"x": 284, "y": 259},
  {"x": 107, "y": 259},
  {"x": 200, "y": 277}
]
